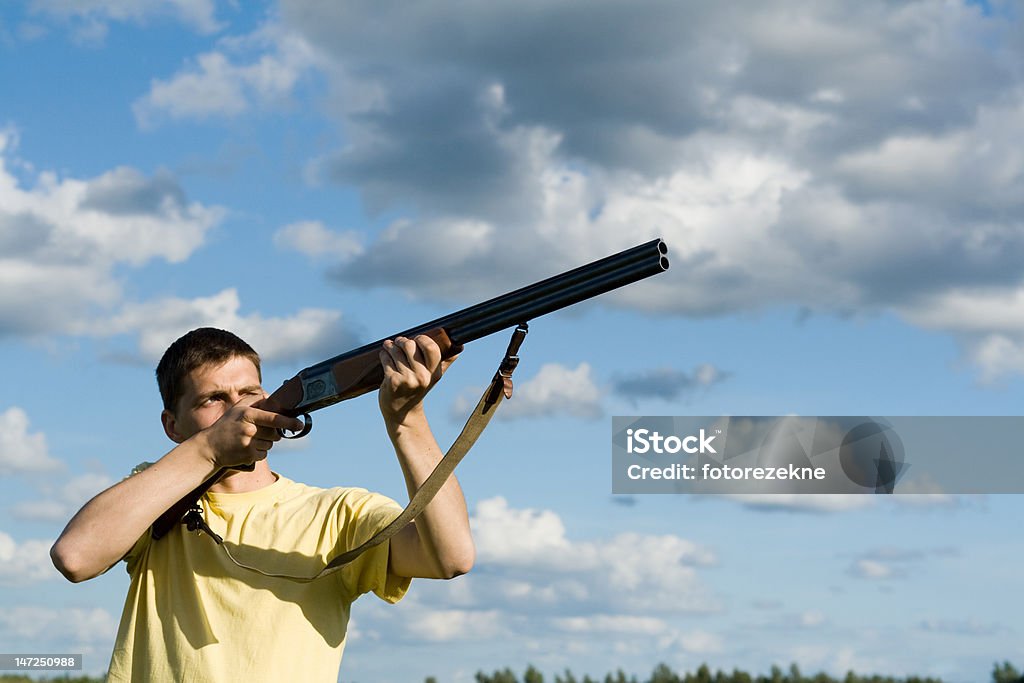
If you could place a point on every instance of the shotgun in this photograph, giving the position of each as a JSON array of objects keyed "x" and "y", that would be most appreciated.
[{"x": 359, "y": 371}]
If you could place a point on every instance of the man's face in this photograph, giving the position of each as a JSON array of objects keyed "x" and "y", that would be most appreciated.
[{"x": 207, "y": 392}]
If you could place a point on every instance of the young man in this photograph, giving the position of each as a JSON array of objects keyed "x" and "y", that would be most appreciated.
[{"x": 192, "y": 614}]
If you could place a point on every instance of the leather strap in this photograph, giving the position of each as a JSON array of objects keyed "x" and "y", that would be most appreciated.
[{"x": 499, "y": 389}]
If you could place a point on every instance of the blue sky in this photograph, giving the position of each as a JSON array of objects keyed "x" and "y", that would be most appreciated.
[{"x": 840, "y": 185}]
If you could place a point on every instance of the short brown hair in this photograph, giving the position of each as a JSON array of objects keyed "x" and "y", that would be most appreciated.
[{"x": 201, "y": 346}]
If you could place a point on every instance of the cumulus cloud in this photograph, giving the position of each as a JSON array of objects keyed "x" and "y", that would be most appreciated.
[
  {"x": 832, "y": 156},
  {"x": 535, "y": 582},
  {"x": 554, "y": 390},
  {"x": 604, "y": 623},
  {"x": 961, "y": 627},
  {"x": 446, "y": 625},
  {"x": 880, "y": 173},
  {"x": 812, "y": 619},
  {"x": 159, "y": 322},
  {"x": 666, "y": 384},
  {"x": 34, "y": 626},
  {"x": 25, "y": 562},
  {"x": 259, "y": 70},
  {"x": 20, "y": 450},
  {"x": 57, "y": 503},
  {"x": 893, "y": 563},
  {"x": 90, "y": 18},
  {"x": 989, "y": 319},
  {"x": 632, "y": 573},
  {"x": 63, "y": 238},
  {"x": 874, "y": 570},
  {"x": 315, "y": 240},
  {"x": 660, "y": 633}
]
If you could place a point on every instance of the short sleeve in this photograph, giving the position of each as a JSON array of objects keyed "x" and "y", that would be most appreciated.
[{"x": 362, "y": 514}]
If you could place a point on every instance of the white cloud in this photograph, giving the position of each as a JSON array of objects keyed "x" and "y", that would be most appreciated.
[
  {"x": 90, "y": 17},
  {"x": 25, "y": 562},
  {"x": 727, "y": 196},
  {"x": 45, "y": 625},
  {"x": 315, "y": 240},
  {"x": 695, "y": 641},
  {"x": 653, "y": 632},
  {"x": 642, "y": 592},
  {"x": 628, "y": 572},
  {"x": 854, "y": 183},
  {"x": 961, "y": 627},
  {"x": 812, "y": 618},
  {"x": 554, "y": 390},
  {"x": 972, "y": 311},
  {"x": 262, "y": 69},
  {"x": 612, "y": 624},
  {"x": 666, "y": 383},
  {"x": 990, "y": 320},
  {"x": 59, "y": 503},
  {"x": 508, "y": 535},
  {"x": 21, "y": 451},
  {"x": 706, "y": 374},
  {"x": 160, "y": 322},
  {"x": 997, "y": 356},
  {"x": 978, "y": 165},
  {"x": 873, "y": 569},
  {"x": 447, "y": 625},
  {"x": 62, "y": 239}
]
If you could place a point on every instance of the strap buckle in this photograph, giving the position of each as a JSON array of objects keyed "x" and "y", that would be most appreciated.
[{"x": 502, "y": 381}]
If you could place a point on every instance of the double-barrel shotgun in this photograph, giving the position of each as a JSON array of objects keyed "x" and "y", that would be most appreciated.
[{"x": 359, "y": 371}]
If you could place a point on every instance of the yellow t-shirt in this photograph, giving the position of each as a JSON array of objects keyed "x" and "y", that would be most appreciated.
[{"x": 193, "y": 615}]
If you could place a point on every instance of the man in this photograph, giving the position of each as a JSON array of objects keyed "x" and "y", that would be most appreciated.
[{"x": 193, "y": 614}]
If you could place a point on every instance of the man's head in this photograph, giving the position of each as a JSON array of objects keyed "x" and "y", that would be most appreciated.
[
  {"x": 201, "y": 375},
  {"x": 202, "y": 346}
]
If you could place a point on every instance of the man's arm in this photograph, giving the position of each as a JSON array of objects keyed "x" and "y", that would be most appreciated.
[
  {"x": 107, "y": 527},
  {"x": 438, "y": 544}
]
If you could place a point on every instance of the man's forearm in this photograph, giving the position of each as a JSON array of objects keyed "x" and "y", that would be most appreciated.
[
  {"x": 443, "y": 525},
  {"x": 109, "y": 525}
]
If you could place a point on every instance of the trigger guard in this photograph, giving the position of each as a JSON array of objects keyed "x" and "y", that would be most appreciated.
[{"x": 306, "y": 428}]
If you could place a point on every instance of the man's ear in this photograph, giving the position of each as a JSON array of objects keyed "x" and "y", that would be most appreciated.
[{"x": 170, "y": 424}]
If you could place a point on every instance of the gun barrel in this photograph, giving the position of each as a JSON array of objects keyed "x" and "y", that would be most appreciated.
[
  {"x": 533, "y": 300},
  {"x": 519, "y": 307}
]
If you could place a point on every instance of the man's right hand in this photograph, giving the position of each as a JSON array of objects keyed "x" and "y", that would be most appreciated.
[{"x": 244, "y": 433}]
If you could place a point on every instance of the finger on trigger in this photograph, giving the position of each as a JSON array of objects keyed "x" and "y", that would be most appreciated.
[{"x": 265, "y": 418}]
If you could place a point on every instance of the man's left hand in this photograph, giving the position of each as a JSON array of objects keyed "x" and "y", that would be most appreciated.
[{"x": 411, "y": 368}]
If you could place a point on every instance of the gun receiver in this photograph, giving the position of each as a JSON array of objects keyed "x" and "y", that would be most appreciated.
[{"x": 359, "y": 371}]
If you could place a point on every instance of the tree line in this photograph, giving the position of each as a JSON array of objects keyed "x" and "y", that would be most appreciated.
[{"x": 1001, "y": 673}]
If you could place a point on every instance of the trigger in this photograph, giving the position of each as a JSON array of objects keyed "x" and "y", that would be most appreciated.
[{"x": 307, "y": 426}]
